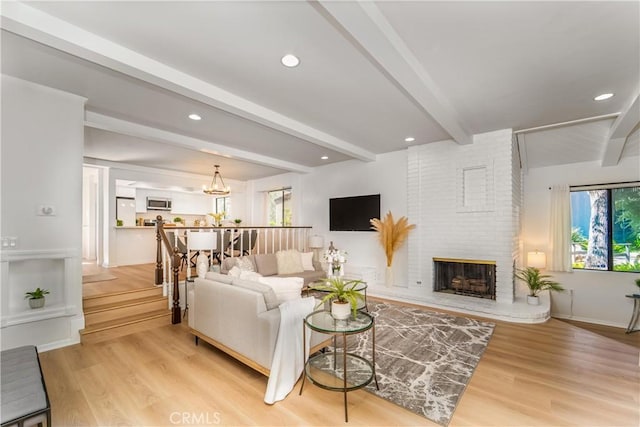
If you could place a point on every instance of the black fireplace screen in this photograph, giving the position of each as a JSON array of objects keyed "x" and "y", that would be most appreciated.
[{"x": 472, "y": 278}]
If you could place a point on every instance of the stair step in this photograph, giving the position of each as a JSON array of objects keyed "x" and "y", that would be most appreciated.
[
  {"x": 118, "y": 310},
  {"x": 124, "y": 326},
  {"x": 89, "y": 302}
]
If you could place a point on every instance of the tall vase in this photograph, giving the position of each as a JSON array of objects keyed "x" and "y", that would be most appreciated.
[{"x": 388, "y": 276}]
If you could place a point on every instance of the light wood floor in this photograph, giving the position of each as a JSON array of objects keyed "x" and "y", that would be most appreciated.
[{"x": 530, "y": 375}]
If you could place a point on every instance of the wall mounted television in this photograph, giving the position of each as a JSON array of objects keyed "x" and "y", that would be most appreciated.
[{"x": 353, "y": 213}]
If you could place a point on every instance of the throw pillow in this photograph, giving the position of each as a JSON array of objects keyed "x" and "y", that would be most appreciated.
[
  {"x": 245, "y": 264},
  {"x": 269, "y": 295},
  {"x": 307, "y": 261},
  {"x": 289, "y": 262},
  {"x": 285, "y": 288},
  {"x": 234, "y": 272},
  {"x": 267, "y": 264},
  {"x": 250, "y": 275}
]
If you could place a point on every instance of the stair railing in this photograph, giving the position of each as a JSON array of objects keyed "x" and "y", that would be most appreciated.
[{"x": 230, "y": 244}]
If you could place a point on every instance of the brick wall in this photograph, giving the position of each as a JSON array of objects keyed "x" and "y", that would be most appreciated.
[{"x": 466, "y": 202}]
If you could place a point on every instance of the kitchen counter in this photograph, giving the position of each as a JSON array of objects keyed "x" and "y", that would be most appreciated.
[{"x": 135, "y": 245}]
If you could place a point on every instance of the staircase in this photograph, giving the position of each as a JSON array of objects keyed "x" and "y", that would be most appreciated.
[{"x": 122, "y": 313}]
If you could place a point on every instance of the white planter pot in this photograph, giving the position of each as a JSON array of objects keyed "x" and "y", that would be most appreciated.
[
  {"x": 36, "y": 302},
  {"x": 340, "y": 311},
  {"x": 531, "y": 300}
]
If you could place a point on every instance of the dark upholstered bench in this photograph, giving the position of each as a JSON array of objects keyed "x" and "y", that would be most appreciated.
[{"x": 24, "y": 395}]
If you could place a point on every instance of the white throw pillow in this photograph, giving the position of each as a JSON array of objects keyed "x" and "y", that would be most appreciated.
[
  {"x": 307, "y": 261},
  {"x": 234, "y": 272},
  {"x": 250, "y": 275},
  {"x": 286, "y": 288},
  {"x": 289, "y": 262},
  {"x": 245, "y": 264}
]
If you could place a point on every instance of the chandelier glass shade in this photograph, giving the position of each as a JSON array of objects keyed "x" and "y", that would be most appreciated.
[{"x": 217, "y": 187}]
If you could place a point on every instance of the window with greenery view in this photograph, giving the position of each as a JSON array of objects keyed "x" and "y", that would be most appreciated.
[
  {"x": 279, "y": 207},
  {"x": 223, "y": 204},
  {"x": 605, "y": 228}
]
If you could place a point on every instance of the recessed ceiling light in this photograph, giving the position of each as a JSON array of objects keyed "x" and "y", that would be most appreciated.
[
  {"x": 194, "y": 116},
  {"x": 324, "y": 157},
  {"x": 603, "y": 97},
  {"x": 290, "y": 61},
  {"x": 409, "y": 139}
]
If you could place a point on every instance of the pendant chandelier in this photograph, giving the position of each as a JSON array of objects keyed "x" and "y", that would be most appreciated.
[{"x": 216, "y": 189}]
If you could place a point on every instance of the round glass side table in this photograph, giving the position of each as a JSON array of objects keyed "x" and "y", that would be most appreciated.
[{"x": 340, "y": 370}]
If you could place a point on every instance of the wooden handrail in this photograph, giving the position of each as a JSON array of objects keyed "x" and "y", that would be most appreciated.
[{"x": 161, "y": 236}]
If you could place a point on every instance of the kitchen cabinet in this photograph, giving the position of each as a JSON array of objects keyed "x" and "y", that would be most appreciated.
[{"x": 191, "y": 204}]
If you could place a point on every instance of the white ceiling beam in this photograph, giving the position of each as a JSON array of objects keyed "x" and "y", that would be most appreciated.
[
  {"x": 34, "y": 24},
  {"x": 619, "y": 132},
  {"x": 112, "y": 124},
  {"x": 374, "y": 35}
]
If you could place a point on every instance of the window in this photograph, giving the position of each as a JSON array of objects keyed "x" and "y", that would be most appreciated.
[
  {"x": 223, "y": 204},
  {"x": 605, "y": 228},
  {"x": 279, "y": 207}
]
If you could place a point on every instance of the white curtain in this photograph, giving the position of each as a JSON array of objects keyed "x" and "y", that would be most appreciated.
[{"x": 560, "y": 229}]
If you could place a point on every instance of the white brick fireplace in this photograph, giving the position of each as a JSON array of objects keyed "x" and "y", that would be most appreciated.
[{"x": 465, "y": 201}]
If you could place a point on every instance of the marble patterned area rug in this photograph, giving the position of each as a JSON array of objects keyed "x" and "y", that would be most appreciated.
[{"x": 424, "y": 359}]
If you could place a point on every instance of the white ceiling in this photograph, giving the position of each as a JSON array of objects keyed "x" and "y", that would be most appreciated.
[{"x": 371, "y": 74}]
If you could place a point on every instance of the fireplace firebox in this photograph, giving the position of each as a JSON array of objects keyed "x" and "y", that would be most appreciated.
[{"x": 474, "y": 278}]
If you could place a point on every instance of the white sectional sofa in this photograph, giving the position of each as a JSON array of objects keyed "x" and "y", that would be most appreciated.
[{"x": 239, "y": 317}]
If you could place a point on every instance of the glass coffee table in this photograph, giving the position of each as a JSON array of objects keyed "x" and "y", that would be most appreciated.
[{"x": 340, "y": 370}]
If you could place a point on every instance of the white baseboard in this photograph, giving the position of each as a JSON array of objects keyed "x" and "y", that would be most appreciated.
[{"x": 589, "y": 320}]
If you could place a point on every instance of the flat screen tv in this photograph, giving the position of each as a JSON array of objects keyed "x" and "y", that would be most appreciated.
[{"x": 353, "y": 213}]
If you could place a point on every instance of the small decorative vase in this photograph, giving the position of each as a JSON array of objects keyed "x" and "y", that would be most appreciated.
[
  {"x": 388, "y": 277},
  {"x": 533, "y": 300},
  {"x": 340, "y": 310},
  {"x": 36, "y": 302}
]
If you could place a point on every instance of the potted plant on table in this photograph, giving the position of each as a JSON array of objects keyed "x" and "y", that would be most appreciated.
[
  {"x": 36, "y": 298},
  {"x": 536, "y": 283},
  {"x": 342, "y": 294}
]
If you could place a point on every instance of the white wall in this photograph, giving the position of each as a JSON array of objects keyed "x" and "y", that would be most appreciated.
[
  {"x": 42, "y": 146},
  {"x": 593, "y": 296}
]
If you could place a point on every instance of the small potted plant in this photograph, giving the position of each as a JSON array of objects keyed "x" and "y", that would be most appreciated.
[
  {"x": 178, "y": 220},
  {"x": 36, "y": 298},
  {"x": 237, "y": 221},
  {"x": 536, "y": 283},
  {"x": 342, "y": 294}
]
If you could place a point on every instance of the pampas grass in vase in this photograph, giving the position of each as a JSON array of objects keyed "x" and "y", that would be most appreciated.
[{"x": 391, "y": 235}]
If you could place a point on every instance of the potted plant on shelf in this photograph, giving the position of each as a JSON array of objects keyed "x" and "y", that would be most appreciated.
[
  {"x": 342, "y": 294},
  {"x": 36, "y": 298},
  {"x": 237, "y": 221},
  {"x": 536, "y": 283},
  {"x": 178, "y": 220}
]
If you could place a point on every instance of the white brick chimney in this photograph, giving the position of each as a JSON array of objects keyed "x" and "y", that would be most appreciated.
[{"x": 465, "y": 200}]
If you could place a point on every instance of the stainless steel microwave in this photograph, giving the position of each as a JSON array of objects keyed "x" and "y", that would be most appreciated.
[{"x": 158, "y": 204}]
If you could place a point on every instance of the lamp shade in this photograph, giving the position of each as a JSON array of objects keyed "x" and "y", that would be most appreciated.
[
  {"x": 203, "y": 240},
  {"x": 536, "y": 259},
  {"x": 316, "y": 241}
]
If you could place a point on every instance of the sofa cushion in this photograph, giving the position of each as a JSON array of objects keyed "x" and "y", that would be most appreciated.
[
  {"x": 285, "y": 288},
  {"x": 307, "y": 261},
  {"x": 289, "y": 261},
  {"x": 245, "y": 263},
  {"x": 268, "y": 293},
  {"x": 222, "y": 278},
  {"x": 267, "y": 264}
]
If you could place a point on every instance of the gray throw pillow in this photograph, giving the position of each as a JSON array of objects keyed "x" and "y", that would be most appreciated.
[{"x": 267, "y": 264}]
